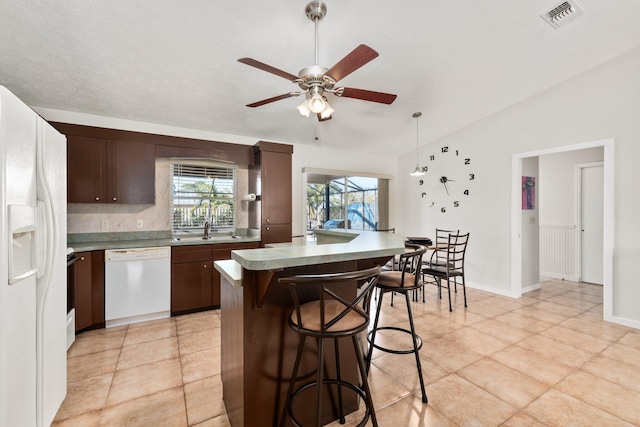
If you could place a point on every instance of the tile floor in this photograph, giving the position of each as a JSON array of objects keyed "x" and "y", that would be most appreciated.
[{"x": 546, "y": 359}]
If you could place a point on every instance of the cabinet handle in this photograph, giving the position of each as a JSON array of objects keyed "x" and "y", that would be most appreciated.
[
  {"x": 115, "y": 198},
  {"x": 81, "y": 258},
  {"x": 268, "y": 228},
  {"x": 97, "y": 199},
  {"x": 204, "y": 265}
]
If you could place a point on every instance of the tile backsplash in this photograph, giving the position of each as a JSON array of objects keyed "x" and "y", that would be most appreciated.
[{"x": 106, "y": 218}]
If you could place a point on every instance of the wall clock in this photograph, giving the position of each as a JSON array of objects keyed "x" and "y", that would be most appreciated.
[{"x": 448, "y": 179}]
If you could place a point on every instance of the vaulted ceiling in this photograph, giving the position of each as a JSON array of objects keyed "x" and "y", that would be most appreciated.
[{"x": 175, "y": 62}]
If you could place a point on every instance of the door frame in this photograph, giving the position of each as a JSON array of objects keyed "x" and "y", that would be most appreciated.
[
  {"x": 578, "y": 212},
  {"x": 608, "y": 217}
]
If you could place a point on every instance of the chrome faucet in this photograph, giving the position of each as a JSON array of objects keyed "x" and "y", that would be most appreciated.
[{"x": 206, "y": 230}]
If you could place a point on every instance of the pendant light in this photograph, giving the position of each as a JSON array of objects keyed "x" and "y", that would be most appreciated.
[{"x": 418, "y": 170}]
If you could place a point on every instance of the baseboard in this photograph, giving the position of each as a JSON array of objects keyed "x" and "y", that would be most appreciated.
[
  {"x": 559, "y": 276},
  {"x": 503, "y": 292},
  {"x": 531, "y": 288},
  {"x": 624, "y": 322}
]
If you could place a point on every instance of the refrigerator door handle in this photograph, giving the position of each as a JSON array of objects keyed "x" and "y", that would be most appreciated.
[
  {"x": 41, "y": 239},
  {"x": 22, "y": 246}
]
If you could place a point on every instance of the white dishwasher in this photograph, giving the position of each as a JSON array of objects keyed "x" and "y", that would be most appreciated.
[{"x": 137, "y": 285}]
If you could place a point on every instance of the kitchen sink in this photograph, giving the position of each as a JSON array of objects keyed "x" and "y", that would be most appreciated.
[{"x": 202, "y": 238}]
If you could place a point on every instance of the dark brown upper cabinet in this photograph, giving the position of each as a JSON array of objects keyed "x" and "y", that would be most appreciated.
[{"x": 110, "y": 171}]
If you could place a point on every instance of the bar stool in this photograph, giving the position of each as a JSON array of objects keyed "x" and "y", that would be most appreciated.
[
  {"x": 405, "y": 280},
  {"x": 330, "y": 317}
]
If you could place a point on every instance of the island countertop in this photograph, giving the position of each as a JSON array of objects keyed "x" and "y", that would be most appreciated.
[{"x": 334, "y": 245}]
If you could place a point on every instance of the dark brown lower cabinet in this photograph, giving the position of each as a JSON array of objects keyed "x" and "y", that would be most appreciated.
[
  {"x": 195, "y": 283},
  {"x": 87, "y": 281}
]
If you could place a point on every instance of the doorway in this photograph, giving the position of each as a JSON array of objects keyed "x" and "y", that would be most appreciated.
[{"x": 519, "y": 242}]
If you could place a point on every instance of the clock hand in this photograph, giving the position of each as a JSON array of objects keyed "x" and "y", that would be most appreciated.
[{"x": 444, "y": 180}]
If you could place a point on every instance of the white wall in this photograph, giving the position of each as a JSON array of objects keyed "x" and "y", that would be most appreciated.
[
  {"x": 557, "y": 184},
  {"x": 601, "y": 103}
]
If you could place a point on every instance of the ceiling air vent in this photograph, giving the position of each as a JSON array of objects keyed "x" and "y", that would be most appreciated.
[{"x": 565, "y": 12}]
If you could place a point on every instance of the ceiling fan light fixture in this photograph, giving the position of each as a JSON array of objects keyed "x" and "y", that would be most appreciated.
[
  {"x": 316, "y": 103},
  {"x": 327, "y": 112},
  {"x": 304, "y": 109}
]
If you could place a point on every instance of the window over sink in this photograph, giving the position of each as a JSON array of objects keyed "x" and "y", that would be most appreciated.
[{"x": 202, "y": 192}]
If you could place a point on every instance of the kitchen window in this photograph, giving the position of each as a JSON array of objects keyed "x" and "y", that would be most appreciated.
[{"x": 202, "y": 192}]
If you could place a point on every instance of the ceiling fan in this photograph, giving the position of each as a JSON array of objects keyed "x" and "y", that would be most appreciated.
[{"x": 316, "y": 81}]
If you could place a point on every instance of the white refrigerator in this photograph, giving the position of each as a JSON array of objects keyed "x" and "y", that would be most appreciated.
[{"x": 33, "y": 292}]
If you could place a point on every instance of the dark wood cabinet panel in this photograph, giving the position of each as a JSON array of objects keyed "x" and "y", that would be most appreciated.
[
  {"x": 131, "y": 172},
  {"x": 195, "y": 283},
  {"x": 275, "y": 233},
  {"x": 88, "y": 290},
  {"x": 191, "y": 286},
  {"x": 276, "y": 187},
  {"x": 107, "y": 171},
  {"x": 273, "y": 173},
  {"x": 86, "y": 169},
  {"x": 83, "y": 295}
]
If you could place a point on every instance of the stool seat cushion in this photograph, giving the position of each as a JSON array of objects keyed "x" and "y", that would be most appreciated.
[
  {"x": 310, "y": 314},
  {"x": 441, "y": 271},
  {"x": 393, "y": 279}
]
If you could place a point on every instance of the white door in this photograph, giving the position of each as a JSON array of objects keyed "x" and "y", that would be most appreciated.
[{"x": 592, "y": 191}]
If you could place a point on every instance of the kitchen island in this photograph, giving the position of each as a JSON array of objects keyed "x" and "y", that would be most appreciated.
[{"x": 258, "y": 348}]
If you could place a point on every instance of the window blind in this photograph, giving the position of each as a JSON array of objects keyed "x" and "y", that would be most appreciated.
[{"x": 202, "y": 193}]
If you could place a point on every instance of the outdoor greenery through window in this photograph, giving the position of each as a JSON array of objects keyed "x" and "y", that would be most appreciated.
[
  {"x": 332, "y": 199},
  {"x": 202, "y": 192}
]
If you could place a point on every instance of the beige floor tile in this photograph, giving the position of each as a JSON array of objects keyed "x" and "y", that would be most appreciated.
[
  {"x": 623, "y": 353},
  {"x": 487, "y": 310},
  {"x": 198, "y": 341},
  {"x": 164, "y": 320},
  {"x": 613, "y": 398},
  {"x": 89, "y": 419},
  {"x": 435, "y": 325},
  {"x": 221, "y": 421},
  {"x": 410, "y": 412},
  {"x": 448, "y": 354},
  {"x": 97, "y": 341},
  {"x": 614, "y": 371},
  {"x": 201, "y": 364},
  {"x": 556, "y": 350},
  {"x": 543, "y": 369},
  {"x": 85, "y": 396},
  {"x": 574, "y": 303},
  {"x": 164, "y": 408},
  {"x": 585, "y": 342},
  {"x": 501, "y": 330},
  {"x": 474, "y": 340},
  {"x": 92, "y": 364},
  {"x": 513, "y": 387},
  {"x": 466, "y": 404},
  {"x": 402, "y": 367},
  {"x": 204, "y": 399},
  {"x": 523, "y": 321},
  {"x": 522, "y": 420},
  {"x": 596, "y": 328},
  {"x": 385, "y": 389},
  {"x": 154, "y": 331},
  {"x": 583, "y": 296},
  {"x": 145, "y": 379},
  {"x": 631, "y": 339},
  {"x": 557, "y": 409},
  {"x": 536, "y": 312},
  {"x": 194, "y": 323},
  {"x": 148, "y": 352}
]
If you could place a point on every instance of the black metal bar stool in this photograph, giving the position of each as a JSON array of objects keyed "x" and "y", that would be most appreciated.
[
  {"x": 405, "y": 280},
  {"x": 330, "y": 317}
]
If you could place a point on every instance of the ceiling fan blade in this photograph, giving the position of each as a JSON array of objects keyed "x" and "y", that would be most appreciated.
[
  {"x": 268, "y": 68},
  {"x": 270, "y": 100},
  {"x": 354, "y": 60},
  {"x": 367, "y": 95}
]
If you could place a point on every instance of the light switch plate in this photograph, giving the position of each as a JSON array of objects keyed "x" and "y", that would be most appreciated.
[
  {"x": 104, "y": 224},
  {"x": 139, "y": 223}
]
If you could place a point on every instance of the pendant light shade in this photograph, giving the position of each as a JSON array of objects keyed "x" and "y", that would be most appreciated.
[{"x": 418, "y": 170}]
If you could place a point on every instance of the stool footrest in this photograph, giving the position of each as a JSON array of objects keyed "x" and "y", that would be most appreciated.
[{"x": 390, "y": 350}]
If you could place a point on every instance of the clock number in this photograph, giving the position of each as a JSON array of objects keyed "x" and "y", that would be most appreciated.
[
  {"x": 424, "y": 195},
  {"x": 445, "y": 149},
  {"x": 467, "y": 161},
  {"x": 466, "y": 192},
  {"x": 443, "y": 209},
  {"x": 472, "y": 176},
  {"x": 421, "y": 182},
  {"x": 456, "y": 204},
  {"x": 432, "y": 157},
  {"x": 457, "y": 153}
]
